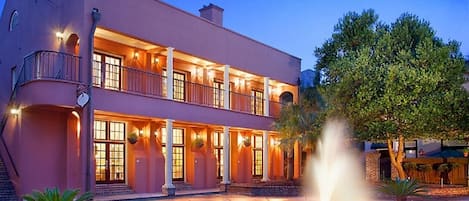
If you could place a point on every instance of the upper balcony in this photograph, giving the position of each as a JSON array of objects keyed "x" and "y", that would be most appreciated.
[{"x": 198, "y": 85}]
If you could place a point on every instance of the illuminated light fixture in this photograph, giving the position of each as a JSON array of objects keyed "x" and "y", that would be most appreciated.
[
  {"x": 156, "y": 61},
  {"x": 211, "y": 74},
  {"x": 140, "y": 133},
  {"x": 156, "y": 133},
  {"x": 14, "y": 111},
  {"x": 75, "y": 113},
  {"x": 135, "y": 55},
  {"x": 59, "y": 35}
]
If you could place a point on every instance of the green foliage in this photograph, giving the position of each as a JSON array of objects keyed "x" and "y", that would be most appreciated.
[
  {"x": 55, "y": 195},
  {"x": 424, "y": 167},
  {"x": 409, "y": 166},
  {"x": 403, "y": 188},
  {"x": 447, "y": 167},
  {"x": 391, "y": 80},
  {"x": 300, "y": 122}
]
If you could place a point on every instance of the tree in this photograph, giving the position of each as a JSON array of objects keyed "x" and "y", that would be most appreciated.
[
  {"x": 396, "y": 81},
  {"x": 298, "y": 123}
]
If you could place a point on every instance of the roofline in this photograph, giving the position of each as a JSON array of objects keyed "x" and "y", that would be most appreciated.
[{"x": 213, "y": 24}]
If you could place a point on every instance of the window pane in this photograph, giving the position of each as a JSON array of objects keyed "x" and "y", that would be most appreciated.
[
  {"x": 97, "y": 70},
  {"x": 112, "y": 80},
  {"x": 99, "y": 130},
  {"x": 218, "y": 94},
  {"x": 116, "y": 131},
  {"x": 178, "y": 86},
  {"x": 163, "y": 135},
  {"x": 116, "y": 158},
  {"x": 178, "y": 136},
  {"x": 100, "y": 156}
]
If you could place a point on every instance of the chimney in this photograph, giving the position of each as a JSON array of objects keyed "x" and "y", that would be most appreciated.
[{"x": 212, "y": 13}]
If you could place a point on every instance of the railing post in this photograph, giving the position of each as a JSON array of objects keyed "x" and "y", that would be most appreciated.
[
  {"x": 266, "y": 96},
  {"x": 169, "y": 73},
  {"x": 226, "y": 87}
]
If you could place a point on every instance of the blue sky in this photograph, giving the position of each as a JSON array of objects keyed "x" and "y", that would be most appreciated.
[{"x": 298, "y": 27}]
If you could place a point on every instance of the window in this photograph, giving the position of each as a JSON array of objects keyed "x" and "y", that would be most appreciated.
[
  {"x": 218, "y": 151},
  {"x": 257, "y": 102},
  {"x": 257, "y": 156},
  {"x": 109, "y": 151},
  {"x": 218, "y": 89},
  {"x": 179, "y": 89},
  {"x": 178, "y": 152},
  {"x": 112, "y": 75}
]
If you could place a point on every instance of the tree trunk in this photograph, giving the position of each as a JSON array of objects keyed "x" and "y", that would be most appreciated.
[
  {"x": 290, "y": 164},
  {"x": 396, "y": 160}
]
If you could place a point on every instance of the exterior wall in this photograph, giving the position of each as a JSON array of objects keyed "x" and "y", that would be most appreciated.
[
  {"x": 47, "y": 130},
  {"x": 43, "y": 146},
  {"x": 226, "y": 47}
]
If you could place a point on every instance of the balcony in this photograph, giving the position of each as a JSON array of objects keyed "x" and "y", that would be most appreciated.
[
  {"x": 56, "y": 66},
  {"x": 132, "y": 80},
  {"x": 50, "y": 65}
]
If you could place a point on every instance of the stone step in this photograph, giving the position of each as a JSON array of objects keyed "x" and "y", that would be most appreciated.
[
  {"x": 112, "y": 189},
  {"x": 7, "y": 190},
  {"x": 182, "y": 186}
]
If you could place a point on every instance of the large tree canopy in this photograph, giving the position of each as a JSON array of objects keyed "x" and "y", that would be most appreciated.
[{"x": 397, "y": 81}]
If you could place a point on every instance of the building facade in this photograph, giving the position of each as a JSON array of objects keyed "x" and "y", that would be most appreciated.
[{"x": 142, "y": 94}]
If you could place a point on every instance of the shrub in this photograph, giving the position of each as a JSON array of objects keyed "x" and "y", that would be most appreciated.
[
  {"x": 403, "y": 188},
  {"x": 55, "y": 195}
]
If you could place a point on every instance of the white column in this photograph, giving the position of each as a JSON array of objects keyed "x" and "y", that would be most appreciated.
[
  {"x": 169, "y": 73},
  {"x": 168, "y": 162},
  {"x": 226, "y": 86},
  {"x": 266, "y": 96},
  {"x": 265, "y": 156},
  {"x": 226, "y": 155}
]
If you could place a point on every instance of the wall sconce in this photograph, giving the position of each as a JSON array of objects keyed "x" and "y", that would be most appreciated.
[
  {"x": 135, "y": 55},
  {"x": 140, "y": 133},
  {"x": 59, "y": 35},
  {"x": 211, "y": 74},
  {"x": 275, "y": 142},
  {"x": 14, "y": 111},
  {"x": 156, "y": 61},
  {"x": 156, "y": 133}
]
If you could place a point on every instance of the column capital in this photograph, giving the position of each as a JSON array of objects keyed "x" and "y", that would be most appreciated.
[
  {"x": 170, "y": 48},
  {"x": 169, "y": 120}
]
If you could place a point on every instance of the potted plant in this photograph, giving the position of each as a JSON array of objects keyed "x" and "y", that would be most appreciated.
[
  {"x": 132, "y": 138},
  {"x": 198, "y": 143},
  {"x": 466, "y": 152}
]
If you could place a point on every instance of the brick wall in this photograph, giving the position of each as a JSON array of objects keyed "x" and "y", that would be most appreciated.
[{"x": 372, "y": 166}]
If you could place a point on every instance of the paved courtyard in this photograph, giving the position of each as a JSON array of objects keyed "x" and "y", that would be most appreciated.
[{"x": 231, "y": 197}]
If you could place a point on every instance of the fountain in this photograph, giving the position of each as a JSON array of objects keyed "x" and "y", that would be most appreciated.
[{"x": 334, "y": 173}]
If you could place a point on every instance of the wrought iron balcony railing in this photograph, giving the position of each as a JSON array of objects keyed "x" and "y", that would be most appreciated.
[{"x": 51, "y": 65}]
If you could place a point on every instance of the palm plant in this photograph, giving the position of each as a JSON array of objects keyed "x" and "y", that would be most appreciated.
[
  {"x": 55, "y": 195},
  {"x": 401, "y": 189},
  {"x": 298, "y": 123}
]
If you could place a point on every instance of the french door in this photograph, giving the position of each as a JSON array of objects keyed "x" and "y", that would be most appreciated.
[{"x": 109, "y": 150}]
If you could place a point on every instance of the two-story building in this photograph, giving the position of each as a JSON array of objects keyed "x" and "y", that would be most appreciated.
[{"x": 81, "y": 80}]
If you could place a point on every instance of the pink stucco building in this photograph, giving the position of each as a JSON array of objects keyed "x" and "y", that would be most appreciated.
[{"x": 85, "y": 76}]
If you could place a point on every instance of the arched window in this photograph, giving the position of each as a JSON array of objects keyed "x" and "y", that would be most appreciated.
[{"x": 286, "y": 97}]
